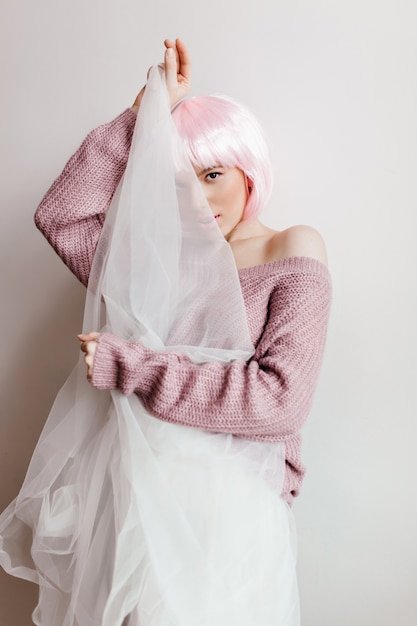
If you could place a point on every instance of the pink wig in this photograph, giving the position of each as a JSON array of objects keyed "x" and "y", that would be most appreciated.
[{"x": 218, "y": 131}]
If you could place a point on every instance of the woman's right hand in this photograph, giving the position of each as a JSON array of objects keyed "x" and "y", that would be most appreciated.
[{"x": 177, "y": 66}]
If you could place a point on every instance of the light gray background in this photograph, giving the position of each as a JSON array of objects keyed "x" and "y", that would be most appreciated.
[{"x": 334, "y": 84}]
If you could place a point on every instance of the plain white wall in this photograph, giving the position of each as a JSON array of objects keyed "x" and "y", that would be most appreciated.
[{"x": 334, "y": 83}]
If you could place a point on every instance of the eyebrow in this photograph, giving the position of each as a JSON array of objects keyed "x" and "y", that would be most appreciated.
[{"x": 208, "y": 169}]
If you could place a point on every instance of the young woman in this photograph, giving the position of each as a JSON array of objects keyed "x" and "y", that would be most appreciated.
[{"x": 217, "y": 458}]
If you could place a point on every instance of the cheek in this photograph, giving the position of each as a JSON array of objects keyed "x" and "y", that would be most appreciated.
[
  {"x": 233, "y": 191},
  {"x": 237, "y": 194}
]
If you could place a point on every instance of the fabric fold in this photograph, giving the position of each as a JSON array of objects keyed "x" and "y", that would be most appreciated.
[{"x": 125, "y": 519}]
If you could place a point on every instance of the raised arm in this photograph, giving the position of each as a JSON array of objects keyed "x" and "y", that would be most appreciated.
[{"x": 72, "y": 213}]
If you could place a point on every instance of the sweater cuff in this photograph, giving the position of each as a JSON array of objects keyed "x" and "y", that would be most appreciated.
[
  {"x": 116, "y": 363},
  {"x": 118, "y": 135},
  {"x": 107, "y": 362}
]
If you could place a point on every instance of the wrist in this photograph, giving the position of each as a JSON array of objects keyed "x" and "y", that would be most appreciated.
[{"x": 136, "y": 105}]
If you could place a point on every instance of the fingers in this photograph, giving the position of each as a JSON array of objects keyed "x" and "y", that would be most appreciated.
[
  {"x": 184, "y": 59},
  {"x": 93, "y": 336},
  {"x": 89, "y": 347},
  {"x": 171, "y": 68},
  {"x": 177, "y": 66},
  {"x": 89, "y": 343},
  {"x": 89, "y": 361}
]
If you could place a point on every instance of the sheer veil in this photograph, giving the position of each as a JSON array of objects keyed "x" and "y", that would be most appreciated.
[{"x": 122, "y": 518}]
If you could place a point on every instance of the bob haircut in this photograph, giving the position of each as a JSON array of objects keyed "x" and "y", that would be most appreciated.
[{"x": 216, "y": 130}]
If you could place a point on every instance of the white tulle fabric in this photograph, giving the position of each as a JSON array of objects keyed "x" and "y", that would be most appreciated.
[{"x": 125, "y": 519}]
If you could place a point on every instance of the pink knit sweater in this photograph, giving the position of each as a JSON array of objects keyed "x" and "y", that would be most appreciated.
[{"x": 267, "y": 398}]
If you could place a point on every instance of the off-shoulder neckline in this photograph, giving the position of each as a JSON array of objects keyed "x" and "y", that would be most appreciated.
[{"x": 299, "y": 264}]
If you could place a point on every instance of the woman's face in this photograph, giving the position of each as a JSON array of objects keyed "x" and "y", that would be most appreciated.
[{"x": 227, "y": 193}]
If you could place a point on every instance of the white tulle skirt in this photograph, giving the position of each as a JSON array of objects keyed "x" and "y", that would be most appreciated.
[{"x": 129, "y": 520}]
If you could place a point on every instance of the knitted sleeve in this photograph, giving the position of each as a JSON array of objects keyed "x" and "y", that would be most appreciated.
[
  {"x": 72, "y": 212},
  {"x": 267, "y": 398}
]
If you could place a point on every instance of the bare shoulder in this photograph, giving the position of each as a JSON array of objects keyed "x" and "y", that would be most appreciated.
[
  {"x": 299, "y": 241},
  {"x": 256, "y": 244}
]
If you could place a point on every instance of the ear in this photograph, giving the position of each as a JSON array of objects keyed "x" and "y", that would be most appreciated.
[{"x": 249, "y": 185}]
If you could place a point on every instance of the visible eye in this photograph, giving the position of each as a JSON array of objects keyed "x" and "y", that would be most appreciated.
[{"x": 212, "y": 175}]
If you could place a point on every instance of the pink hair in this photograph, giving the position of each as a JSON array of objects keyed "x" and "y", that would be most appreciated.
[{"x": 219, "y": 131}]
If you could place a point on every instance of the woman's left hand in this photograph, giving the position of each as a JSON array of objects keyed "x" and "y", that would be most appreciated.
[
  {"x": 177, "y": 67},
  {"x": 89, "y": 346}
]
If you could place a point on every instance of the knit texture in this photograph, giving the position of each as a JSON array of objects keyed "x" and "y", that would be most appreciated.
[
  {"x": 287, "y": 301},
  {"x": 72, "y": 213}
]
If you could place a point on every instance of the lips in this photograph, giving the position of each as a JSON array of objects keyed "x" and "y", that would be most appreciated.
[{"x": 216, "y": 217}]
